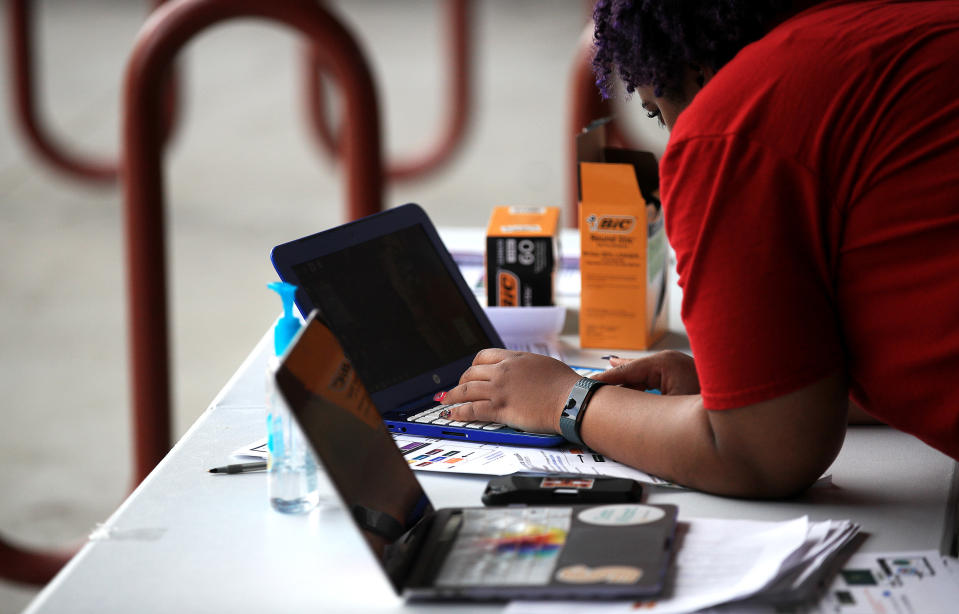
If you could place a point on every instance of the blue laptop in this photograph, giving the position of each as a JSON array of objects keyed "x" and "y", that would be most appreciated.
[{"x": 389, "y": 290}]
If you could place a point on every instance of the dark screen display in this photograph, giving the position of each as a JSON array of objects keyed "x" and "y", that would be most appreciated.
[
  {"x": 394, "y": 307},
  {"x": 347, "y": 434}
]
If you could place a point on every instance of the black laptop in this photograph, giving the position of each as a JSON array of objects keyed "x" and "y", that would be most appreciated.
[
  {"x": 390, "y": 291},
  {"x": 619, "y": 551}
]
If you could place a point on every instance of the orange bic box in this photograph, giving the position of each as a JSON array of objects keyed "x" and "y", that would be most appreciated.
[
  {"x": 623, "y": 248},
  {"x": 522, "y": 254}
]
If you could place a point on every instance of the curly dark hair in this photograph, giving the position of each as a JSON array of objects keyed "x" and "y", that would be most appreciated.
[{"x": 650, "y": 42}]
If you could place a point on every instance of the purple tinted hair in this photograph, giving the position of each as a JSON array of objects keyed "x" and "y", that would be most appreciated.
[{"x": 651, "y": 42}]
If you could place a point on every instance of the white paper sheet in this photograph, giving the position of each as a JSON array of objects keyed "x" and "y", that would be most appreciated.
[
  {"x": 722, "y": 560},
  {"x": 716, "y": 561},
  {"x": 255, "y": 449},
  {"x": 530, "y": 329},
  {"x": 922, "y": 582},
  {"x": 443, "y": 455},
  {"x": 431, "y": 454}
]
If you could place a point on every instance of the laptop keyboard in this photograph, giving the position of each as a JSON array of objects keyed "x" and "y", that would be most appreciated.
[
  {"x": 506, "y": 546},
  {"x": 432, "y": 415}
]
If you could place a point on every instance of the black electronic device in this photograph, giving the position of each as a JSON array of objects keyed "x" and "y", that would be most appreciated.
[{"x": 561, "y": 489}]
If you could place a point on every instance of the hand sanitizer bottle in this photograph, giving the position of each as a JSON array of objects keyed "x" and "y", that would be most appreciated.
[{"x": 292, "y": 470}]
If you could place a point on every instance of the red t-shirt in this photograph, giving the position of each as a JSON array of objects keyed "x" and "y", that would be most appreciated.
[{"x": 811, "y": 192}]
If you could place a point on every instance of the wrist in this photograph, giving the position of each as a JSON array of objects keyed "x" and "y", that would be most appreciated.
[{"x": 574, "y": 410}]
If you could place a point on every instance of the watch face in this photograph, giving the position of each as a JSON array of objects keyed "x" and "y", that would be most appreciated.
[
  {"x": 569, "y": 420},
  {"x": 572, "y": 406},
  {"x": 578, "y": 397}
]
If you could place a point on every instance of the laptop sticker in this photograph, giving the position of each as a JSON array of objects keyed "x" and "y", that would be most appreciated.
[
  {"x": 610, "y": 574},
  {"x": 624, "y": 514},
  {"x": 578, "y": 483},
  {"x": 519, "y": 547}
]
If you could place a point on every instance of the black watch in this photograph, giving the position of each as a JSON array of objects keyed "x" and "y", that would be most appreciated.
[{"x": 571, "y": 420}]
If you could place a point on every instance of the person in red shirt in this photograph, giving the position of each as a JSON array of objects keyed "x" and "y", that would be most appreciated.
[{"x": 811, "y": 192}]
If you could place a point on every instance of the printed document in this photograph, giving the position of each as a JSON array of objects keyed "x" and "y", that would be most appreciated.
[{"x": 722, "y": 561}]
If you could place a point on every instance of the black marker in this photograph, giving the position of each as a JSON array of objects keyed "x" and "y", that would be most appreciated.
[{"x": 240, "y": 468}]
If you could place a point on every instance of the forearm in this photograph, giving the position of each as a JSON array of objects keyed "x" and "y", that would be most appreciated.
[
  {"x": 667, "y": 436},
  {"x": 762, "y": 451},
  {"x": 768, "y": 449}
]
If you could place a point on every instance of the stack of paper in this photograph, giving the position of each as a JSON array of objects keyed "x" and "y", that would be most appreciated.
[
  {"x": 722, "y": 561},
  {"x": 910, "y": 582},
  {"x": 803, "y": 572}
]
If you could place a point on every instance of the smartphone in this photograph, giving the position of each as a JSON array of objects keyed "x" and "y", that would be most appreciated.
[{"x": 535, "y": 488}]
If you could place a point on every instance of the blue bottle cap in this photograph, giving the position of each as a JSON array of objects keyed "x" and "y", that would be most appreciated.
[{"x": 288, "y": 324}]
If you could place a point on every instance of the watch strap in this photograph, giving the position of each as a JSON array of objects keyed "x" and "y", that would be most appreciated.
[{"x": 571, "y": 418}]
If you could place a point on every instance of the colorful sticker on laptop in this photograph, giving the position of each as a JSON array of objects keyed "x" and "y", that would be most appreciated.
[{"x": 623, "y": 514}]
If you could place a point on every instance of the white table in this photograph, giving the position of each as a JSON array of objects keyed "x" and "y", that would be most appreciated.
[{"x": 189, "y": 541}]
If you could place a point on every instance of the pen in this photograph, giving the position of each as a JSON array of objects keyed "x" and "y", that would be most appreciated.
[{"x": 240, "y": 468}]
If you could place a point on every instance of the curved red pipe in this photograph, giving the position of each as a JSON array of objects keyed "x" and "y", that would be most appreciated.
[
  {"x": 162, "y": 37},
  {"x": 458, "y": 95},
  {"x": 25, "y": 103}
]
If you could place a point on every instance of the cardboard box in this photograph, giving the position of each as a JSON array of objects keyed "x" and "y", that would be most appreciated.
[
  {"x": 522, "y": 254},
  {"x": 623, "y": 248}
]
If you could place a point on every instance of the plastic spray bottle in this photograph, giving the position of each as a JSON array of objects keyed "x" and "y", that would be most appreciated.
[{"x": 292, "y": 470}]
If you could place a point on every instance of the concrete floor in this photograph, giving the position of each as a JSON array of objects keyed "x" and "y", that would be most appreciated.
[{"x": 242, "y": 175}]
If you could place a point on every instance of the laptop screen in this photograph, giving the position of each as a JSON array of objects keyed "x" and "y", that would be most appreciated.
[
  {"x": 394, "y": 306},
  {"x": 348, "y": 436}
]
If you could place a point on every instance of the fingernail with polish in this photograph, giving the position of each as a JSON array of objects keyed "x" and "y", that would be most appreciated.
[
  {"x": 610, "y": 356},
  {"x": 445, "y": 414},
  {"x": 439, "y": 396}
]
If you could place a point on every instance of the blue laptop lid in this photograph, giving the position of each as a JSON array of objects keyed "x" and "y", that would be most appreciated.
[{"x": 389, "y": 289}]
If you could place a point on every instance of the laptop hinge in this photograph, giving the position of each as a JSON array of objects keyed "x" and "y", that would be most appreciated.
[
  {"x": 401, "y": 556},
  {"x": 432, "y": 554}
]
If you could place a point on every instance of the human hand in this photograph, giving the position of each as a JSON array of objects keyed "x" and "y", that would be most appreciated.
[
  {"x": 670, "y": 372},
  {"x": 525, "y": 391}
]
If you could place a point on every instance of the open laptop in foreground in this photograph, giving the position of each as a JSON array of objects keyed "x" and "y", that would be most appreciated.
[
  {"x": 619, "y": 551},
  {"x": 390, "y": 291}
]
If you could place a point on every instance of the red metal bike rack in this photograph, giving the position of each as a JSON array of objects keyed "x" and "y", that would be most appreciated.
[
  {"x": 162, "y": 37},
  {"x": 29, "y": 566},
  {"x": 18, "y": 563},
  {"x": 459, "y": 98},
  {"x": 39, "y": 137},
  {"x": 165, "y": 33}
]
